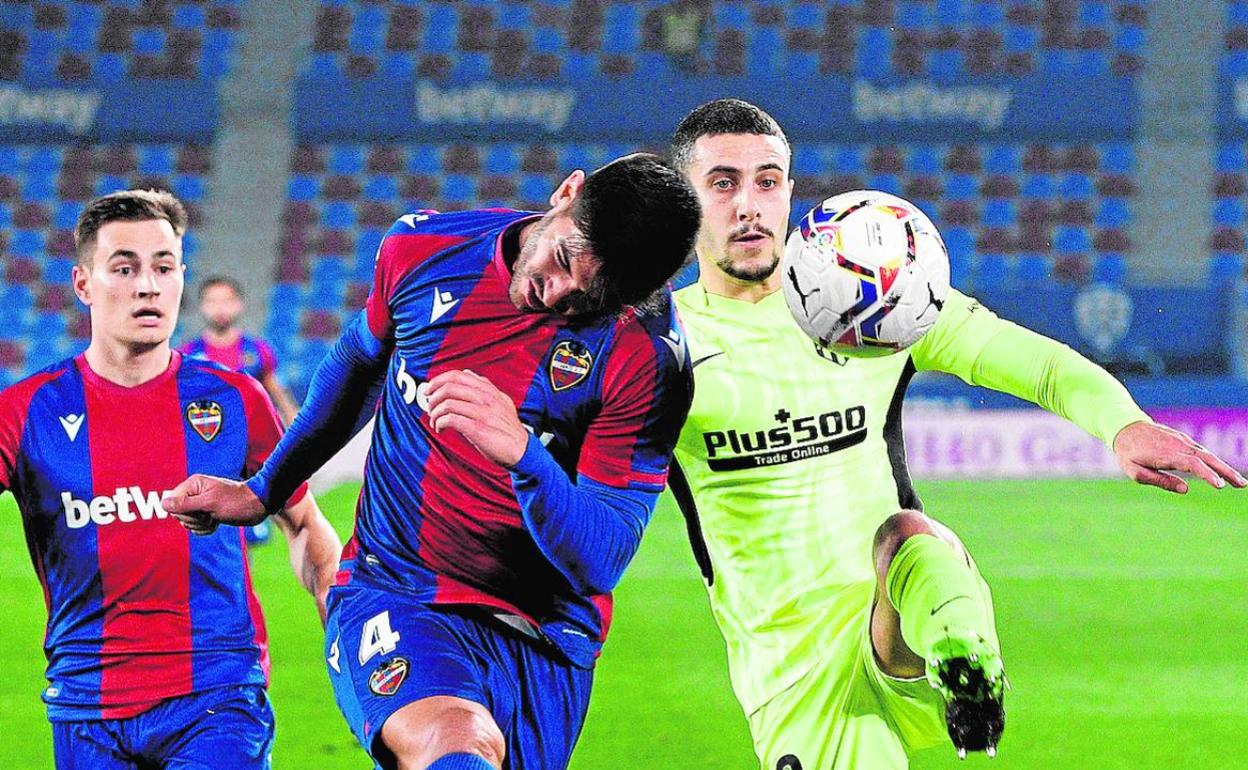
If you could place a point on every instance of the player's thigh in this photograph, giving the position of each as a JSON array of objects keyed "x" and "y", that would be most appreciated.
[
  {"x": 90, "y": 745},
  {"x": 385, "y": 650},
  {"x": 227, "y": 728},
  {"x": 831, "y": 718}
]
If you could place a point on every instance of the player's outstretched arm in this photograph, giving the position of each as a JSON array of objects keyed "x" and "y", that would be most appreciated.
[
  {"x": 314, "y": 547},
  {"x": 1147, "y": 451},
  {"x": 202, "y": 502}
]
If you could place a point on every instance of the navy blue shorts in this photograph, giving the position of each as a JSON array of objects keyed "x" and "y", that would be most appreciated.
[
  {"x": 226, "y": 727},
  {"x": 386, "y": 650}
]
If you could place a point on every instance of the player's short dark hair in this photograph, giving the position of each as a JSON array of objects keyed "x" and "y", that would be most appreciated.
[
  {"x": 220, "y": 280},
  {"x": 126, "y": 206},
  {"x": 640, "y": 217},
  {"x": 722, "y": 116}
]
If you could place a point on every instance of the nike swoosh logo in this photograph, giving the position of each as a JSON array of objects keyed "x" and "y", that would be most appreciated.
[
  {"x": 946, "y": 603},
  {"x": 705, "y": 358},
  {"x": 443, "y": 301}
]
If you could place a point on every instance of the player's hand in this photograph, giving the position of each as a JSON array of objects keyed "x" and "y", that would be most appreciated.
[
  {"x": 202, "y": 502},
  {"x": 469, "y": 404},
  {"x": 1146, "y": 451}
]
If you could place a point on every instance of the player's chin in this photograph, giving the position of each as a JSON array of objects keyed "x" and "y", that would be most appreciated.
[{"x": 750, "y": 263}]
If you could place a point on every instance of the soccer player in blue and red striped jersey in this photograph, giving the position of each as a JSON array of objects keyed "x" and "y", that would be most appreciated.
[
  {"x": 534, "y": 380},
  {"x": 157, "y": 653}
]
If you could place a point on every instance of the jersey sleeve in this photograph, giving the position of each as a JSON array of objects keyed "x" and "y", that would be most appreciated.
[
  {"x": 14, "y": 408},
  {"x": 971, "y": 342},
  {"x": 264, "y": 430},
  {"x": 646, "y": 393},
  {"x": 268, "y": 359}
]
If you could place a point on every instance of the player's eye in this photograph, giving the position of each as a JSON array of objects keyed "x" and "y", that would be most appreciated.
[
  {"x": 722, "y": 184},
  {"x": 124, "y": 270},
  {"x": 767, "y": 184}
]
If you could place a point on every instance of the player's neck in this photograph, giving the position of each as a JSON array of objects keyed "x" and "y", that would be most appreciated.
[
  {"x": 127, "y": 366},
  {"x": 223, "y": 338},
  {"x": 719, "y": 283}
]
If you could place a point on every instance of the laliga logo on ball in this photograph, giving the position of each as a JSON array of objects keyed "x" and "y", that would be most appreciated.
[{"x": 865, "y": 273}]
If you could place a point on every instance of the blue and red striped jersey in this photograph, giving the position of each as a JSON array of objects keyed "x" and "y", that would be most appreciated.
[
  {"x": 605, "y": 396},
  {"x": 248, "y": 354},
  {"x": 139, "y": 610}
]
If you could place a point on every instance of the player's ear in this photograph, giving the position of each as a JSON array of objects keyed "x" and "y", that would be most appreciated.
[
  {"x": 568, "y": 189},
  {"x": 79, "y": 277}
]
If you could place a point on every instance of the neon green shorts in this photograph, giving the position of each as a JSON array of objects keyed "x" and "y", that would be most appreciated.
[{"x": 847, "y": 714}]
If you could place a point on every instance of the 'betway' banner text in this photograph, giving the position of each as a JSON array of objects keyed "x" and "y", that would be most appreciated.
[
  {"x": 142, "y": 110},
  {"x": 648, "y": 108}
]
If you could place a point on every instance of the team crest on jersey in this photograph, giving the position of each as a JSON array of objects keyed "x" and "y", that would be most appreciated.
[
  {"x": 250, "y": 359},
  {"x": 387, "y": 678},
  {"x": 205, "y": 418},
  {"x": 569, "y": 364}
]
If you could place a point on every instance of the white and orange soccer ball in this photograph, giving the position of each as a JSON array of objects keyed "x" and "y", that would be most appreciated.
[{"x": 865, "y": 273}]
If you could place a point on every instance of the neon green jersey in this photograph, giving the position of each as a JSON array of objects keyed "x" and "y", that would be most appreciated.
[{"x": 794, "y": 458}]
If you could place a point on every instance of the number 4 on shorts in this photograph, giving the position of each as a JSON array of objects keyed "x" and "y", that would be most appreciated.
[{"x": 377, "y": 638}]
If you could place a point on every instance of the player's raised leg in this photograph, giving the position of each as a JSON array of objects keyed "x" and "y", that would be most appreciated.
[
  {"x": 444, "y": 733},
  {"x": 933, "y": 616}
]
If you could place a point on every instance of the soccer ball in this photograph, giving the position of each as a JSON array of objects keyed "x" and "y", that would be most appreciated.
[{"x": 865, "y": 273}]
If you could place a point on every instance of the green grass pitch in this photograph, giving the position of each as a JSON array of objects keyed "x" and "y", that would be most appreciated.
[{"x": 1123, "y": 616}]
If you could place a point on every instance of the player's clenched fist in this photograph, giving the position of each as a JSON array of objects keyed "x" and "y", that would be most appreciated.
[
  {"x": 202, "y": 502},
  {"x": 469, "y": 404}
]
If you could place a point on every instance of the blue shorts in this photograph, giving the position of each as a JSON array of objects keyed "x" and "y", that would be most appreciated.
[
  {"x": 386, "y": 649},
  {"x": 225, "y": 727}
]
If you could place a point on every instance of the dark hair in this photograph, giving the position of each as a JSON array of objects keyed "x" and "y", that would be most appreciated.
[
  {"x": 640, "y": 218},
  {"x": 126, "y": 206},
  {"x": 219, "y": 280},
  {"x": 722, "y": 116}
]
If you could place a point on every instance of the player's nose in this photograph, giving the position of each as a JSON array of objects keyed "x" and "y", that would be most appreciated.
[{"x": 747, "y": 205}]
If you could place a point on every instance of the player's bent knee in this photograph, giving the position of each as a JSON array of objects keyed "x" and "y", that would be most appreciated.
[
  {"x": 421, "y": 732},
  {"x": 896, "y": 529}
]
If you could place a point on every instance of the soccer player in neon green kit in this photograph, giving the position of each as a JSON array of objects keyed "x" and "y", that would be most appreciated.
[{"x": 858, "y": 628}]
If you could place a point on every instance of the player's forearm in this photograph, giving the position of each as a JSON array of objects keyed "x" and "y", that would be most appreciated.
[
  {"x": 1046, "y": 372},
  {"x": 314, "y": 548},
  {"x": 588, "y": 531},
  {"x": 282, "y": 399},
  {"x": 338, "y": 402}
]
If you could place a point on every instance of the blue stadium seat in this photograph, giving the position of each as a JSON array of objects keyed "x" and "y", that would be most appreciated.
[
  {"x": 83, "y": 46},
  {"x": 501, "y": 158},
  {"x": 809, "y": 15},
  {"x": 424, "y": 159},
  {"x": 533, "y": 187},
  {"x": 149, "y": 41},
  {"x": 110, "y": 67},
  {"x": 1110, "y": 268},
  {"x": 1225, "y": 268},
  {"x": 1037, "y": 186},
  {"x": 1094, "y": 13},
  {"x": 991, "y": 271},
  {"x": 187, "y": 16},
  {"x": 16, "y": 15},
  {"x": 6, "y": 216},
  {"x": 156, "y": 159},
  {"x": 215, "y": 63},
  {"x": 382, "y": 188},
  {"x": 324, "y": 66},
  {"x": 574, "y": 156},
  {"x": 959, "y": 239},
  {"x": 283, "y": 296},
  {"x": 397, "y": 64},
  {"x": 806, "y": 161},
  {"x": 471, "y": 67},
  {"x": 515, "y": 16},
  {"x": 189, "y": 187},
  {"x": 1002, "y": 159},
  {"x": 875, "y": 49},
  {"x": 1032, "y": 268},
  {"x": 988, "y": 15},
  {"x": 1091, "y": 63},
  {"x": 999, "y": 212},
  {"x": 366, "y": 244},
  {"x": 28, "y": 243},
  {"x": 326, "y": 282},
  {"x": 459, "y": 188},
  {"x": 367, "y": 30},
  {"x": 1113, "y": 212},
  {"x": 441, "y": 24},
  {"x": 338, "y": 215},
  {"x": 58, "y": 270},
  {"x": 66, "y": 216},
  {"x": 911, "y": 15},
  {"x": 1076, "y": 185},
  {"x": 948, "y": 13},
  {"x": 302, "y": 188},
  {"x": 801, "y": 64},
  {"x": 579, "y": 65},
  {"x": 960, "y": 187},
  {"x": 889, "y": 183},
  {"x": 1131, "y": 40},
  {"x": 107, "y": 183},
  {"x": 923, "y": 161},
  {"x": 621, "y": 30},
  {"x": 1118, "y": 158},
  {"x": 15, "y": 300},
  {"x": 765, "y": 53},
  {"x": 346, "y": 159},
  {"x": 190, "y": 245},
  {"x": 946, "y": 65},
  {"x": 547, "y": 40},
  {"x": 1228, "y": 212},
  {"x": 10, "y": 162},
  {"x": 1057, "y": 61},
  {"x": 43, "y": 160},
  {"x": 1072, "y": 239},
  {"x": 40, "y": 188},
  {"x": 849, "y": 161},
  {"x": 1237, "y": 13},
  {"x": 731, "y": 15}
]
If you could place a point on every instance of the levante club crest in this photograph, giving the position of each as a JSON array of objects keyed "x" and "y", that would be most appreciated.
[
  {"x": 569, "y": 364},
  {"x": 386, "y": 678},
  {"x": 205, "y": 418}
]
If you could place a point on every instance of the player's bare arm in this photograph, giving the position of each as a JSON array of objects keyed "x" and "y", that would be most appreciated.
[
  {"x": 1147, "y": 452},
  {"x": 282, "y": 399},
  {"x": 314, "y": 547},
  {"x": 465, "y": 402}
]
